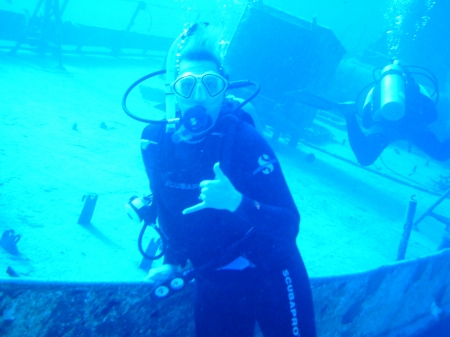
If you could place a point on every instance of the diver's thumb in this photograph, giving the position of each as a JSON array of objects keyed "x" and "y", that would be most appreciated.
[{"x": 218, "y": 171}]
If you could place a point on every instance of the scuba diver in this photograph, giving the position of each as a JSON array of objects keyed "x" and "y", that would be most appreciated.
[
  {"x": 396, "y": 108},
  {"x": 223, "y": 205}
]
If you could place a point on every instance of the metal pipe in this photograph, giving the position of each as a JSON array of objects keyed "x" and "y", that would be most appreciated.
[
  {"x": 407, "y": 227},
  {"x": 25, "y": 32},
  {"x": 429, "y": 211}
]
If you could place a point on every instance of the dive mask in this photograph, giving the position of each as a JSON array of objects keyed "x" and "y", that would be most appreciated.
[{"x": 185, "y": 84}]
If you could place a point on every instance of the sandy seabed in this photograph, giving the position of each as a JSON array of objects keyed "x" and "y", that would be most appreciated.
[{"x": 64, "y": 135}]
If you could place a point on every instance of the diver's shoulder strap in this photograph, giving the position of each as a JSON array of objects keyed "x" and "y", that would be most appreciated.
[
  {"x": 151, "y": 139},
  {"x": 369, "y": 107},
  {"x": 231, "y": 121},
  {"x": 153, "y": 132},
  {"x": 245, "y": 114}
]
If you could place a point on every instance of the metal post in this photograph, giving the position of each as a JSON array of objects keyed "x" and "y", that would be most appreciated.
[
  {"x": 407, "y": 228},
  {"x": 51, "y": 9},
  {"x": 57, "y": 15},
  {"x": 151, "y": 250},
  {"x": 116, "y": 49},
  {"x": 90, "y": 201},
  {"x": 25, "y": 33}
]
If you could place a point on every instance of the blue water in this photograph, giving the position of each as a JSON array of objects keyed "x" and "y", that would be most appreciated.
[{"x": 361, "y": 36}]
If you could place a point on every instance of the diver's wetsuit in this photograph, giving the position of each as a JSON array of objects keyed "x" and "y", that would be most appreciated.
[
  {"x": 275, "y": 290},
  {"x": 413, "y": 126}
]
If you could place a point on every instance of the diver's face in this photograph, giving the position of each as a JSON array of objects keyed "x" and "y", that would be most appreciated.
[{"x": 200, "y": 96}]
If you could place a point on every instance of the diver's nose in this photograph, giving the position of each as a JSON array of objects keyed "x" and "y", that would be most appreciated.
[{"x": 199, "y": 93}]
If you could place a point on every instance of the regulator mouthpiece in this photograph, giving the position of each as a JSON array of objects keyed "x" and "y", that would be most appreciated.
[{"x": 196, "y": 120}]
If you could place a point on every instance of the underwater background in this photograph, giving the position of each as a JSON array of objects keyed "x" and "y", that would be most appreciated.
[{"x": 64, "y": 138}]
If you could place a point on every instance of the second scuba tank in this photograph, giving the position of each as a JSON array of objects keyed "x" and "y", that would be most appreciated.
[{"x": 392, "y": 92}]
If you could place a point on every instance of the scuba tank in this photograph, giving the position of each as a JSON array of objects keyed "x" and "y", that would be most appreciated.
[
  {"x": 170, "y": 76},
  {"x": 392, "y": 92}
]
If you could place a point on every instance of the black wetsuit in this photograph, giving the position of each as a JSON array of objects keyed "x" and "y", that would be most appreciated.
[
  {"x": 413, "y": 126},
  {"x": 275, "y": 290}
]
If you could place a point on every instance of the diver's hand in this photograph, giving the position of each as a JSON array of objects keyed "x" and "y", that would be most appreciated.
[
  {"x": 218, "y": 193},
  {"x": 158, "y": 275}
]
